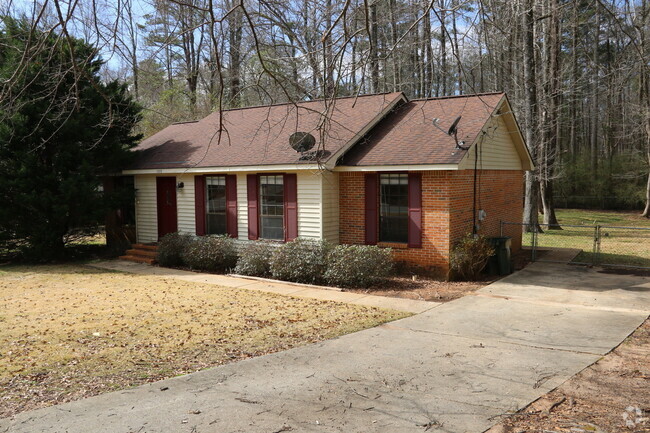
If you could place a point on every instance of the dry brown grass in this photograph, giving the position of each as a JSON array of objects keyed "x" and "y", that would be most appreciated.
[{"x": 71, "y": 331}]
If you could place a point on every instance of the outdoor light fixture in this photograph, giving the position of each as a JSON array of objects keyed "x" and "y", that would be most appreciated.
[{"x": 180, "y": 185}]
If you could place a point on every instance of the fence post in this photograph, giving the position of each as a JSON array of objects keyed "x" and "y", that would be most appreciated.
[
  {"x": 596, "y": 250},
  {"x": 534, "y": 242}
]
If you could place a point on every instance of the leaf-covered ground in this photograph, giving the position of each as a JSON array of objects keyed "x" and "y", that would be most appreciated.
[
  {"x": 71, "y": 331},
  {"x": 611, "y": 396}
]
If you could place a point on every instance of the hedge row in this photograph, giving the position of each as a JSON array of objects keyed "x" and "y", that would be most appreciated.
[{"x": 300, "y": 261}]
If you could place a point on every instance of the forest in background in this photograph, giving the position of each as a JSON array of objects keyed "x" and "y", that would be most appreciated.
[{"x": 576, "y": 72}]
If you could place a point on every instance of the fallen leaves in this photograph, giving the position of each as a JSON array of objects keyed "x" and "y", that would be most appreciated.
[{"x": 74, "y": 331}]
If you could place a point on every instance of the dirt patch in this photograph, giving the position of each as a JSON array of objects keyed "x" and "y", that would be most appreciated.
[
  {"x": 424, "y": 289},
  {"x": 68, "y": 332},
  {"x": 612, "y": 396}
]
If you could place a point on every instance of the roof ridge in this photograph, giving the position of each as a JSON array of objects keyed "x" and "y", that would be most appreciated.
[
  {"x": 305, "y": 102},
  {"x": 473, "y": 95}
]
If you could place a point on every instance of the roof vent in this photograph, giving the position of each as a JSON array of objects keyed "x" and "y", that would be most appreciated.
[{"x": 316, "y": 155}]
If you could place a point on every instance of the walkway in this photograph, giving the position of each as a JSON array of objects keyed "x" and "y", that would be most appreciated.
[
  {"x": 272, "y": 286},
  {"x": 454, "y": 368}
]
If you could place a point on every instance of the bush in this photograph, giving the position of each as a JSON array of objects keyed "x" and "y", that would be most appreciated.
[
  {"x": 300, "y": 261},
  {"x": 255, "y": 259},
  {"x": 211, "y": 253},
  {"x": 469, "y": 256},
  {"x": 358, "y": 265},
  {"x": 171, "y": 248}
]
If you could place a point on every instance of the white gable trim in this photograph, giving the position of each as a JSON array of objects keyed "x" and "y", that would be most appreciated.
[{"x": 339, "y": 153}]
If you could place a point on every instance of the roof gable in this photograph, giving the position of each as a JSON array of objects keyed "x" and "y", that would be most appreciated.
[
  {"x": 500, "y": 145},
  {"x": 408, "y": 136},
  {"x": 258, "y": 136}
]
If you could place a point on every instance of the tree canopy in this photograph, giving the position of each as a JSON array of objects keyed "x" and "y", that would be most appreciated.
[{"x": 61, "y": 129}]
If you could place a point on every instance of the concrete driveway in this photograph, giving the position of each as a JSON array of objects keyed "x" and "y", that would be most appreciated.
[{"x": 455, "y": 368}]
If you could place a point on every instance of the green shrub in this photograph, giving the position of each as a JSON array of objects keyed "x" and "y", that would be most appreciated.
[
  {"x": 358, "y": 265},
  {"x": 171, "y": 248},
  {"x": 211, "y": 253},
  {"x": 300, "y": 261},
  {"x": 469, "y": 256},
  {"x": 254, "y": 259}
]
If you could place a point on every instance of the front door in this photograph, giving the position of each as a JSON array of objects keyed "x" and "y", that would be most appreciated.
[{"x": 166, "y": 200}]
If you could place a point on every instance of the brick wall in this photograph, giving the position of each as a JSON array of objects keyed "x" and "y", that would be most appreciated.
[
  {"x": 500, "y": 193},
  {"x": 446, "y": 211}
]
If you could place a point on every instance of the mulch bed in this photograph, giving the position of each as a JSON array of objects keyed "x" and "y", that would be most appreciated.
[{"x": 425, "y": 288}]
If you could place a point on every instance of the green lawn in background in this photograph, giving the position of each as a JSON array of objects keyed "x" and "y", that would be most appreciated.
[{"x": 618, "y": 246}]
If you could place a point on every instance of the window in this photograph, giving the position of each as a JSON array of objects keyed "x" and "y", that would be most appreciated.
[
  {"x": 393, "y": 207},
  {"x": 272, "y": 207},
  {"x": 216, "y": 205}
]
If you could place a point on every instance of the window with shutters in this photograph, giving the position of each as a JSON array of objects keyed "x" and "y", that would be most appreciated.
[
  {"x": 272, "y": 207},
  {"x": 216, "y": 205},
  {"x": 394, "y": 207}
]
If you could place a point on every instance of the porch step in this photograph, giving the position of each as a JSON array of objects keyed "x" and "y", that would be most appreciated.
[
  {"x": 138, "y": 259},
  {"x": 141, "y": 253},
  {"x": 150, "y": 247}
]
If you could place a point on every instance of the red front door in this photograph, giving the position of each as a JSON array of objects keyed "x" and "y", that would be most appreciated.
[{"x": 166, "y": 200}]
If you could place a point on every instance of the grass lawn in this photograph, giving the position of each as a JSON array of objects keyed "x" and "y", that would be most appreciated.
[
  {"x": 71, "y": 331},
  {"x": 618, "y": 246}
]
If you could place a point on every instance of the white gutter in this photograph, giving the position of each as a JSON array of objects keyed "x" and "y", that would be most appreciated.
[
  {"x": 231, "y": 169},
  {"x": 410, "y": 167}
]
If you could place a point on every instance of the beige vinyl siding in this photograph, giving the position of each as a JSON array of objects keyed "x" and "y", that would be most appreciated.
[
  {"x": 330, "y": 206},
  {"x": 497, "y": 149},
  {"x": 317, "y": 206},
  {"x": 310, "y": 216},
  {"x": 146, "y": 213},
  {"x": 185, "y": 205}
]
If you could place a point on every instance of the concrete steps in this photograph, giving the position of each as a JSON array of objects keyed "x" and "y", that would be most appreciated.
[{"x": 141, "y": 253}]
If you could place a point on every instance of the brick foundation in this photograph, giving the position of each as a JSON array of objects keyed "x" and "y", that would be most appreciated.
[{"x": 446, "y": 211}]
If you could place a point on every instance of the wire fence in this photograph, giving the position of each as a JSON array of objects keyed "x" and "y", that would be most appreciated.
[{"x": 596, "y": 245}]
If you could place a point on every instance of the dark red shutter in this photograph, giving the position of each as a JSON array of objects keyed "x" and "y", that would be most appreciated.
[
  {"x": 372, "y": 199},
  {"x": 199, "y": 204},
  {"x": 290, "y": 207},
  {"x": 253, "y": 206},
  {"x": 415, "y": 210},
  {"x": 231, "y": 205}
]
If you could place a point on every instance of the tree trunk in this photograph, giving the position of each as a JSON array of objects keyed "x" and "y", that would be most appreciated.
[
  {"x": 645, "y": 92},
  {"x": 374, "y": 42},
  {"x": 594, "y": 101},
  {"x": 443, "y": 49},
  {"x": 530, "y": 217},
  {"x": 427, "y": 53},
  {"x": 459, "y": 64},
  {"x": 234, "y": 42},
  {"x": 328, "y": 56},
  {"x": 393, "y": 40},
  {"x": 551, "y": 145}
]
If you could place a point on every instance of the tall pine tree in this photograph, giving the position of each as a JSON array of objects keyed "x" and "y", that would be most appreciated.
[{"x": 61, "y": 129}]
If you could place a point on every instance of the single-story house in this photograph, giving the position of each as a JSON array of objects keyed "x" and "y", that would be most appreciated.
[{"x": 383, "y": 170}]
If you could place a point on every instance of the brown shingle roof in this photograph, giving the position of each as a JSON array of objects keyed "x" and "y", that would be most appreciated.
[
  {"x": 407, "y": 135},
  {"x": 260, "y": 135}
]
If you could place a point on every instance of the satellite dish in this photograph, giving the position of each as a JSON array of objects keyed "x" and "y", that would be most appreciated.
[
  {"x": 302, "y": 141},
  {"x": 453, "y": 128}
]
